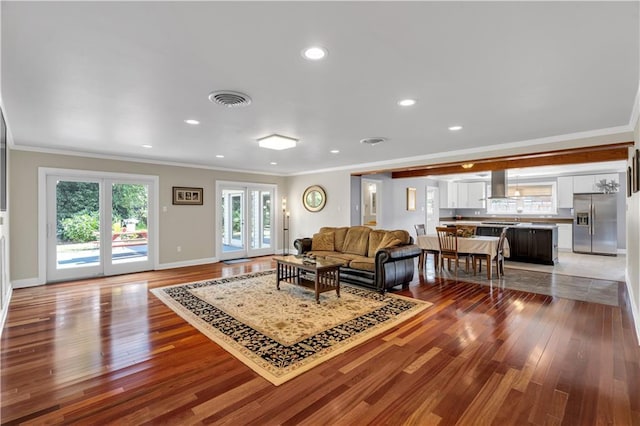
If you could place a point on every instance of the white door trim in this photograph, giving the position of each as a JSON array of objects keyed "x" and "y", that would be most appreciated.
[
  {"x": 43, "y": 172},
  {"x": 275, "y": 221}
]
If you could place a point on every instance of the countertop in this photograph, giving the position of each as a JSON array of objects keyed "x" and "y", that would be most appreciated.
[{"x": 498, "y": 223}]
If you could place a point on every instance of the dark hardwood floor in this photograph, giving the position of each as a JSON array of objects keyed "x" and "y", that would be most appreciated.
[{"x": 106, "y": 351}]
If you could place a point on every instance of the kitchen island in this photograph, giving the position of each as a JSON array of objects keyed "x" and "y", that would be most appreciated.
[{"x": 528, "y": 241}]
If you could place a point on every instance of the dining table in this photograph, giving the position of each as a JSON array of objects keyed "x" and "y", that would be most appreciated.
[{"x": 477, "y": 244}]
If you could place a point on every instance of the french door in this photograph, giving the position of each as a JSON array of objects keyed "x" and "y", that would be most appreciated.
[
  {"x": 432, "y": 209},
  {"x": 98, "y": 225},
  {"x": 245, "y": 220}
]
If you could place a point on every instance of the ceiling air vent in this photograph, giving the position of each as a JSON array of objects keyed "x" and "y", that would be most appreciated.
[
  {"x": 229, "y": 98},
  {"x": 372, "y": 141}
]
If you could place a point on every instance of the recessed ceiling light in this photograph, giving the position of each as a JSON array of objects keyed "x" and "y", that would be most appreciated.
[
  {"x": 335, "y": 151},
  {"x": 455, "y": 128},
  {"x": 147, "y": 146},
  {"x": 273, "y": 163},
  {"x": 314, "y": 53},
  {"x": 277, "y": 142},
  {"x": 219, "y": 156},
  {"x": 407, "y": 102},
  {"x": 192, "y": 122}
]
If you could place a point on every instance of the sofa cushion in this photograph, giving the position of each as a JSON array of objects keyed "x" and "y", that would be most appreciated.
[
  {"x": 375, "y": 237},
  {"x": 365, "y": 263},
  {"x": 320, "y": 253},
  {"x": 345, "y": 258},
  {"x": 338, "y": 236},
  {"x": 389, "y": 240},
  {"x": 323, "y": 241},
  {"x": 402, "y": 235},
  {"x": 357, "y": 240}
]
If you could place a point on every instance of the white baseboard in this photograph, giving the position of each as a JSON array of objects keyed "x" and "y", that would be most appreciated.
[
  {"x": 193, "y": 262},
  {"x": 28, "y": 282},
  {"x": 5, "y": 309},
  {"x": 634, "y": 309},
  {"x": 33, "y": 282}
]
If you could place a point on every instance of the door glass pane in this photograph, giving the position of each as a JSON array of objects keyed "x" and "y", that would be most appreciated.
[
  {"x": 265, "y": 228},
  {"x": 232, "y": 220},
  {"x": 129, "y": 218},
  {"x": 260, "y": 219},
  {"x": 77, "y": 224}
]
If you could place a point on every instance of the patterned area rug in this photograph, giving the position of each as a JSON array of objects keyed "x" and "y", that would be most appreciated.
[{"x": 281, "y": 334}]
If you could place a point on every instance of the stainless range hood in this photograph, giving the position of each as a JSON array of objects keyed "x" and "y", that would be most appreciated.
[{"x": 499, "y": 184}]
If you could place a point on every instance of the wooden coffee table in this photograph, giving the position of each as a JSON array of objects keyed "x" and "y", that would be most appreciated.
[{"x": 320, "y": 276}]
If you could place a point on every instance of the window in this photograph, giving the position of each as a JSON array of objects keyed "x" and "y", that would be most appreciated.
[{"x": 526, "y": 198}]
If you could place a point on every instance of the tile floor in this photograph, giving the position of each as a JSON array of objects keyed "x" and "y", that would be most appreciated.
[{"x": 583, "y": 277}]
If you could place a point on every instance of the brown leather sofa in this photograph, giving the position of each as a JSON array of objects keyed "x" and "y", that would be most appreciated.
[{"x": 372, "y": 258}]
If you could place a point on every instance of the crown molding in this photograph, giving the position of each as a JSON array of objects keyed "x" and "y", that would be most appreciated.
[{"x": 134, "y": 160}]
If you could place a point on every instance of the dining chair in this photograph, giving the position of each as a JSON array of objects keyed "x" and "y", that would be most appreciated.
[
  {"x": 448, "y": 240},
  {"x": 498, "y": 257},
  {"x": 422, "y": 259}
]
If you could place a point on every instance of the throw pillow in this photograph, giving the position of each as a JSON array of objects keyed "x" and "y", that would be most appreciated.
[
  {"x": 357, "y": 240},
  {"x": 389, "y": 240},
  {"x": 322, "y": 242}
]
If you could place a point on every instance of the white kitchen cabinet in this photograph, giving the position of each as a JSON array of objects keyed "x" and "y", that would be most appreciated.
[
  {"x": 583, "y": 184},
  {"x": 463, "y": 193},
  {"x": 565, "y": 236},
  {"x": 448, "y": 194},
  {"x": 565, "y": 192},
  {"x": 475, "y": 195},
  {"x": 587, "y": 183}
]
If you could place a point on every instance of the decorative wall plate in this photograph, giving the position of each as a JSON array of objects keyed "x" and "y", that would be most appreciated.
[{"x": 314, "y": 198}]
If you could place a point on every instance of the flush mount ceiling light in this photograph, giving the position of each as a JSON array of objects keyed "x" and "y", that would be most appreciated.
[
  {"x": 314, "y": 53},
  {"x": 467, "y": 165},
  {"x": 455, "y": 128},
  {"x": 277, "y": 142},
  {"x": 192, "y": 122},
  {"x": 219, "y": 156},
  {"x": 273, "y": 163},
  {"x": 407, "y": 102},
  {"x": 372, "y": 141},
  {"x": 229, "y": 98},
  {"x": 147, "y": 146},
  {"x": 335, "y": 151}
]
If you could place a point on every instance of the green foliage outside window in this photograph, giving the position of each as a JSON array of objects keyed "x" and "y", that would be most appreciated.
[{"x": 78, "y": 205}]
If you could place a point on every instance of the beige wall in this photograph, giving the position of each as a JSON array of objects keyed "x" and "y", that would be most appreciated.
[
  {"x": 335, "y": 213},
  {"x": 191, "y": 227},
  {"x": 633, "y": 241}
]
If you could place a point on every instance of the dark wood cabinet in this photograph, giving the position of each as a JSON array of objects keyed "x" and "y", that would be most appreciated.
[{"x": 533, "y": 245}]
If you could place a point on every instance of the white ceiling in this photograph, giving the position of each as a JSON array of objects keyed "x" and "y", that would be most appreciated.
[{"x": 108, "y": 77}]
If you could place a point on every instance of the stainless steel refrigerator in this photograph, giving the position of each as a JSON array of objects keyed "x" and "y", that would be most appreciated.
[{"x": 594, "y": 224}]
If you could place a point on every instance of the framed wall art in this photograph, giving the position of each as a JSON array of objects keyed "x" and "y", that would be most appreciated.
[
  {"x": 636, "y": 171},
  {"x": 187, "y": 196},
  {"x": 411, "y": 199},
  {"x": 314, "y": 198},
  {"x": 629, "y": 182}
]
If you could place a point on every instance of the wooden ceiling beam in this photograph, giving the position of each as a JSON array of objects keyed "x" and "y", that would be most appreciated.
[{"x": 592, "y": 154}]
